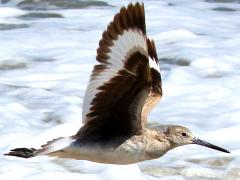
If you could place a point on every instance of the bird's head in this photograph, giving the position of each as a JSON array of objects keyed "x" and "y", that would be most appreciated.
[{"x": 179, "y": 136}]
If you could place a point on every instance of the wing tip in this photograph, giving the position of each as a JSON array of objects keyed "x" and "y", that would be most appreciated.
[
  {"x": 130, "y": 17},
  {"x": 152, "y": 50}
]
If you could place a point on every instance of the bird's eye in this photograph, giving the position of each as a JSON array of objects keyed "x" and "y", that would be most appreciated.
[{"x": 184, "y": 134}]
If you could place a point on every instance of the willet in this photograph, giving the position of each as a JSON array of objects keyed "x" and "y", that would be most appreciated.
[{"x": 123, "y": 88}]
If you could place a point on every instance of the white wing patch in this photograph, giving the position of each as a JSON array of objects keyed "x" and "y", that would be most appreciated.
[
  {"x": 153, "y": 64},
  {"x": 127, "y": 42}
]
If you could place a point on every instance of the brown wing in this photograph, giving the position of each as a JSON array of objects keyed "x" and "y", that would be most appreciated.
[
  {"x": 124, "y": 79},
  {"x": 156, "y": 82}
]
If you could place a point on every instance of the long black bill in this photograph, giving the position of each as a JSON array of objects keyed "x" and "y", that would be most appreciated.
[{"x": 204, "y": 143}]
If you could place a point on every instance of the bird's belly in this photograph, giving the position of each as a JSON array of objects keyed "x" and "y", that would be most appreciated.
[{"x": 126, "y": 153}]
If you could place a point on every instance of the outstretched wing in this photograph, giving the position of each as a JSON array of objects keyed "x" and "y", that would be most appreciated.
[{"x": 121, "y": 89}]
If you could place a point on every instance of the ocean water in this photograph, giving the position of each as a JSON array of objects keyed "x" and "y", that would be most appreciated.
[{"x": 48, "y": 49}]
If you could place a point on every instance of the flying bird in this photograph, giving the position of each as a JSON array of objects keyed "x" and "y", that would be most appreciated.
[{"x": 123, "y": 88}]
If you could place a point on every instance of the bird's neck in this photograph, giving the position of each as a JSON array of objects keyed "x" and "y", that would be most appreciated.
[{"x": 157, "y": 145}]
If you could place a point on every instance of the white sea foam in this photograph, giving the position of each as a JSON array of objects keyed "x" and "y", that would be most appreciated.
[{"x": 44, "y": 69}]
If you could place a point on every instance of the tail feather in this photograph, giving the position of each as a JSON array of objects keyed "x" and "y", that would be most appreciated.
[
  {"x": 49, "y": 147},
  {"x": 22, "y": 152}
]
